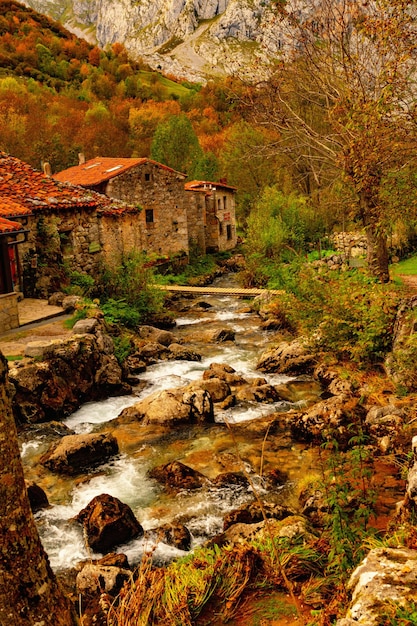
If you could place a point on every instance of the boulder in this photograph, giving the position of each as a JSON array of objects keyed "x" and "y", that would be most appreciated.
[
  {"x": 219, "y": 335},
  {"x": 255, "y": 512},
  {"x": 231, "y": 479},
  {"x": 176, "y": 476},
  {"x": 86, "y": 326},
  {"x": 69, "y": 303},
  {"x": 74, "y": 453},
  {"x": 224, "y": 372},
  {"x": 290, "y": 527},
  {"x": 156, "y": 335},
  {"x": 328, "y": 419},
  {"x": 386, "y": 576},
  {"x": 218, "y": 389},
  {"x": 382, "y": 421},
  {"x": 108, "y": 522},
  {"x": 287, "y": 358},
  {"x": 259, "y": 393},
  {"x": 176, "y": 535},
  {"x": 171, "y": 407},
  {"x": 66, "y": 374},
  {"x": 37, "y": 497},
  {"x": 95, "y": 579},
  {"x": 329, "y": 379},
  {"x": 177, "y": 352},
  {"x": 150, "y": 353}
]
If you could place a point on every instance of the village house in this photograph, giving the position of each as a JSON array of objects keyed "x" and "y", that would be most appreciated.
[
  {"x": 218, "y": 201},
  {"x": 155, "y": 189},
  {"x": 54, "y": 228},
  {"x": 176, "y": 216}
]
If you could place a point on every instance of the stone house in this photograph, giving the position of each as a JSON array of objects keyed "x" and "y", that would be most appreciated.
[
  {"x": 217, "y": 200},
  {"x": 155, "y": 189},
  {"x": 176, "y": 216},
  {"x": 60, "y": 228}
]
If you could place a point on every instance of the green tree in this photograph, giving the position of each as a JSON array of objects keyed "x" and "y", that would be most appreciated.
[{"x": 175, "y": 144}]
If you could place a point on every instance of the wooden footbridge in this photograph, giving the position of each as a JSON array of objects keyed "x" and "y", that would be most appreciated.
[{"x": 218, "y": 291}]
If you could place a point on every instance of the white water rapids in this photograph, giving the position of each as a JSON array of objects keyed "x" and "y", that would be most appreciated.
[{"x": 126, "y": 477}]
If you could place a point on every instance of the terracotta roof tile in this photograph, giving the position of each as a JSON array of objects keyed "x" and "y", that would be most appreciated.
[
  {"x": 101, "y": 169},
  {"x": 32, "y": 190},
  {"x": 7, "y": 226},
  {"x": 10, "y": 208}
]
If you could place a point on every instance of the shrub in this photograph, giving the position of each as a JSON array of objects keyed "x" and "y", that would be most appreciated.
[{"x": 127, "y": 292}]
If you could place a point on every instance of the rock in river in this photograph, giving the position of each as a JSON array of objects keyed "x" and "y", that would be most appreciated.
[
  {"x": 108, "y": 522},
  {"x": 73, "y": 453}
]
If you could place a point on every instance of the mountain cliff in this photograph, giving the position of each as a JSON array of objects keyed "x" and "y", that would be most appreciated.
[{"x": 193, "y": 39}]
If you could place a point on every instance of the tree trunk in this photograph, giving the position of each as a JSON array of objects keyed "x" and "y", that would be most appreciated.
[
  {"x": 377, "y": 254},
  {"x": 29, "y": 592},
  {"x": 377, "y": 249}
]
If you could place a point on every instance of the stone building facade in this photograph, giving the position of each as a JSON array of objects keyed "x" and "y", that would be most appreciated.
[
  {"x": 219, "y": 214},
  {"x": 176, "y": 217},
  {"x": 155, "y": 189},
  {"x": 66, "y": 228}
]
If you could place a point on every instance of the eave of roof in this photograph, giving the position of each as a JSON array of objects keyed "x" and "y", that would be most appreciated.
[
  {"x": 101, "y": 169},
  {"x": 32, "y": 191},
  {"x": 207, "y": 186},
  {"x": 10, "y": 208},
  {"x": 7, "y": 226}
]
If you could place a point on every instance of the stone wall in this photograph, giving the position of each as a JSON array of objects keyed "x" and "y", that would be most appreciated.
[
  {"x": 119, "y": 235},
  {"x": 160, "y": 192},
  {"x": 196, "y": 220},
  {"x": 9, "y": 314}
]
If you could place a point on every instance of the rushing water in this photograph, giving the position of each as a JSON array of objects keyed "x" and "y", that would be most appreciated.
[{"x": 210, "y": 449}]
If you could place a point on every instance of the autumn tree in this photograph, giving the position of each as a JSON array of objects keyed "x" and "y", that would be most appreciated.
[
  {"x": 29, "y": 591},
  {"x": 343, "y": 100}
]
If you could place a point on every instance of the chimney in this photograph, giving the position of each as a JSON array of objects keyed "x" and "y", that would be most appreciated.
[
  {"x": 47, "y": 170},
  {"x": 81, "y": 158}
]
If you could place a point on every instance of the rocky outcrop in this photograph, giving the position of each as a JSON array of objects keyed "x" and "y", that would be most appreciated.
[
  {"x": 75, "y": 453},
  {"x": 193, "y": 39},
  {"x": 386, "y": 575},
  {"x": 256, "y": 512},
  {"x": 287, "y": 358},
  {"x": 58, "y": 376},
  {"x": 108, "y": 522}
]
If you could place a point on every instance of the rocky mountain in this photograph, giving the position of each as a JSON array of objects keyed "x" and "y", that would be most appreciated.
[{"x": 192, "y": 39}]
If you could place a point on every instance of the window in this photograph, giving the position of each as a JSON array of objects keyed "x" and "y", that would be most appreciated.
[
  {"x": 220, "y": 228},
  {"x": 224, "y": 202},
  {"x": 147, "y": 177},
  {"x": 229, "y": 231},
  {"x": 149, "y": 216}
]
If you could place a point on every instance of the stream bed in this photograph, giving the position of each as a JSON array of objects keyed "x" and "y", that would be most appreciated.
[{"x": 241, "y": 439}]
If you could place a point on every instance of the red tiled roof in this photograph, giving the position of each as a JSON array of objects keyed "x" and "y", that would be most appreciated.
[
  {"x": 7, "y": 226},
  {"x": 10, "y": 208},
  {"x": 208, "y": 186},
  {"x": 101, "y": 169},
  {"x": 32, "y": 190}
]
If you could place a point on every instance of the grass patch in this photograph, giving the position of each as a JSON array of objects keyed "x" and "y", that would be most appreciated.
[
  {"x": 14, "y": 357},
  {"x": 170, "y": 87},
  {"x": 407, "y": 266}
]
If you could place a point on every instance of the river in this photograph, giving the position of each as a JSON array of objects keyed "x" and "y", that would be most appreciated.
[{"x": 238, "y": 440}]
